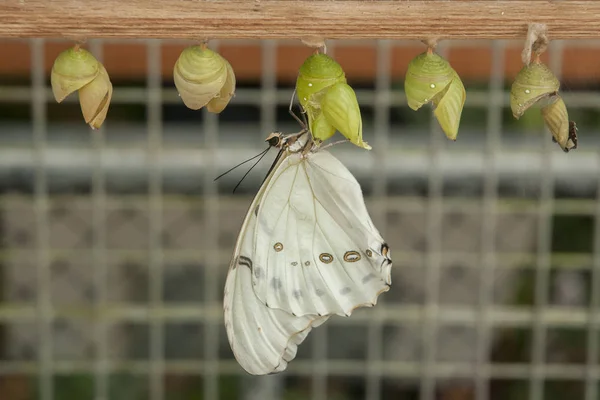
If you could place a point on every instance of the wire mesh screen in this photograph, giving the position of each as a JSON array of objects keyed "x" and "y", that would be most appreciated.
[{"x": 116, "y": 243}]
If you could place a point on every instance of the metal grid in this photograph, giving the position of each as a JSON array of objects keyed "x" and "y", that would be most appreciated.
[{"x": 459, "y": 259}]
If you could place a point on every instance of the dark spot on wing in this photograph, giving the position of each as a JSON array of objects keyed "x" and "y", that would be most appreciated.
[
  {"x": 368, "y": 277},
  {"x": 276, "y": 283},
  {"x": 243, "y": 260},
  {"x": 352, "y": 256},
  {"x": 386, "y": 253},
  {"x": 326, "y": 258},
  {"x": 384, "y": 249}
]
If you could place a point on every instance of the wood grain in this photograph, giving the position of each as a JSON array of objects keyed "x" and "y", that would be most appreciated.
[{"x": 278, "y": 19}]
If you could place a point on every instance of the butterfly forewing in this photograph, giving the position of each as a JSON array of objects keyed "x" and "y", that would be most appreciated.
[{"x": 262, "y": 339}]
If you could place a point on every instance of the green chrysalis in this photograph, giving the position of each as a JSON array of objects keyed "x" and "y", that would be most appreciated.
[
  {"x": 329, "y": 102},
  {"x": 533, "y": 83},
  {"x": 431, "y": 79}
]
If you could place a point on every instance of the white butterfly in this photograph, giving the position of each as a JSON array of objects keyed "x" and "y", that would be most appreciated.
[{"x": 307, "y": 250}]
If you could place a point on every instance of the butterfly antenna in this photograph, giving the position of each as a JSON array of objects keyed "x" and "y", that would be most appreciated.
[
  {"x": 273, "y": 165},
  {"x": 262, "y": 153}
]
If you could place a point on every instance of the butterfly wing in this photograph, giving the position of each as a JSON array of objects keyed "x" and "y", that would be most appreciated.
[
  {"x": 262, "y": 339},
  {"x": 318, "y": 250}
]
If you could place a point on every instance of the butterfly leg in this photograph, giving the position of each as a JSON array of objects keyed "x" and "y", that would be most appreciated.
[
  {"x": 310, "y": 146},
  {"x": 302, "y": 121},
  {"x": 334, "y": 143}
]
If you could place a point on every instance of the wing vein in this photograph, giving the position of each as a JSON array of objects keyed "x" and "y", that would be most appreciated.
[
  {"x": 315, "y": 200},
  {"x": 286, "y": 207}
]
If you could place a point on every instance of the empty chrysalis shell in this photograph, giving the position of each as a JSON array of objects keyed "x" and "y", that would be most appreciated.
[
  {"x": 329, "y": 102},
  {"x": 219, "y": 103},
  {"x": 77, "y": 69},
  {"x": 556, "y": 118},
  {"x": 533, "y": 83},
  {"x": 95, "y": 99},
  {"x": 204, "y": 78},
  {"x": 431, "y": 79}
]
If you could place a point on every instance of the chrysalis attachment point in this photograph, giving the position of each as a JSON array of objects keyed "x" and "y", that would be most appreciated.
[
  {"x": 316, "y": 42},
  {"x": 536, "y": 42}
]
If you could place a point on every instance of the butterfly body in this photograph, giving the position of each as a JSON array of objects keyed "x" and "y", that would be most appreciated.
[{"x": 307, "y": 250}]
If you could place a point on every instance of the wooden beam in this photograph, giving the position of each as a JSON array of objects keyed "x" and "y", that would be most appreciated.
[{"x": 293, "y": 19}]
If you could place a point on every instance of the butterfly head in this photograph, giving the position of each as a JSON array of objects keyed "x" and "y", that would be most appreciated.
[
  {"x": 275, "y": 139},
  {"x": 294, "y": 142}
]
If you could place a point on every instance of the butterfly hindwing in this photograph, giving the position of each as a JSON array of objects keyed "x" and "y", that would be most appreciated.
[
  {"x": 316, "y": 242},
  {"x": 340, "y": 195}
]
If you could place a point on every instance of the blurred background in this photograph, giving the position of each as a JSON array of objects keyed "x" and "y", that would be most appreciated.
[{"x": 115, "y": 243}]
